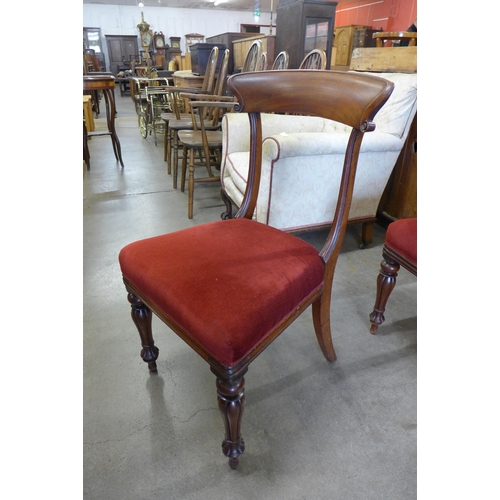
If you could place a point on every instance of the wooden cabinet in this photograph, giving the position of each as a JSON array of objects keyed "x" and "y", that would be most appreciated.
[
  {"x": 303, "y": 25},
  {"x": 227, "y": 39},
  {"x": 241, "y": 47},
  {"x": 399, "y": 200},
  {"x": 121, "y": 49},
  {"x": 364, "y": 38},
  {"x": 343, "y": 42}
]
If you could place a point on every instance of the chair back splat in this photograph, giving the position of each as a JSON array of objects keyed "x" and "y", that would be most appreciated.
[{"x": 270, "y": 276}]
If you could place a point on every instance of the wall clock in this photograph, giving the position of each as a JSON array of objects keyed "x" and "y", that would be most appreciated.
[
  {"x": 175, "y": 42},
  {"x": 159, "y": 41}
]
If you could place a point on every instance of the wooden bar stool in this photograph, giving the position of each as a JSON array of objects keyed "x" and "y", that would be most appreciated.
[
  {"x": 106, "y": 84},
  {"x": 382, "y": 36}
]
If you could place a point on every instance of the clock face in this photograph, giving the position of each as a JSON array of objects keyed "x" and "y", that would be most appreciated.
[
  {"x": 146, "y": 39},
  {"x": 160, "y": 43},
  {"x": 175, "y": 44}
]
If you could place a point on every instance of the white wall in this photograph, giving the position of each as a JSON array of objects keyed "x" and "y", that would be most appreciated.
[{"x": 123, "y": 20}]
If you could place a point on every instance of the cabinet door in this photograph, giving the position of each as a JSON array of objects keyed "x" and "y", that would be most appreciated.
[
  {"x": 343, "y": 43},
  {"x": 120, "y": 48}
]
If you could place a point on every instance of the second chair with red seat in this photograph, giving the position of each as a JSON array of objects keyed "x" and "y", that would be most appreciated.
[{"x": 400, "y": 249}]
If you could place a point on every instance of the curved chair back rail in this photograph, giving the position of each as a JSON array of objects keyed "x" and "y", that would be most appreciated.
[
  {"x": 348, "y": 104},
  {"x": 270, "y": 276}
]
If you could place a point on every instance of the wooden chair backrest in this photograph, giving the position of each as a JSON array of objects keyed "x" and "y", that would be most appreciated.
[
  {"x": 281, "y": 61},
  {"x": 211, "y": 71},
  {"x": 316, "y": 59},
  {"x": 262, "y": 66},
  {"x": 253, "y": 57}
]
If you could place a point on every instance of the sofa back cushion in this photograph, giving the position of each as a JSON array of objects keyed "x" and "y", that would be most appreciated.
[{"x": 397, "y": 113}]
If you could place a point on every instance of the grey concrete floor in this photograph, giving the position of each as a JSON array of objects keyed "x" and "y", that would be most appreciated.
[{"x": 313, "y": 430}]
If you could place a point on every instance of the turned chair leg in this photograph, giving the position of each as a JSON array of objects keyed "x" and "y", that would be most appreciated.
[
  {"x": 386, "y": 281},
  {"x": 191, "y": 183},
  {"x": 231, "y": 400},
  {"x": 175, "y": 159},
  {"x": 142, "y": 316},
  {"x": 184, "y": 168}
]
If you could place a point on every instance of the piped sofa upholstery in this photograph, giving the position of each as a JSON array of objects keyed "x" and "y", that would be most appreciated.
[{"x": 302, "y": 160}]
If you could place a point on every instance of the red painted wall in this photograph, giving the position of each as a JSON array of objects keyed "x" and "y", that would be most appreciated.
[{"x": 388, "y": 15}]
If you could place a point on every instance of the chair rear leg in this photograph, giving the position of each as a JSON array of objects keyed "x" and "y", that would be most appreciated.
[
  {"x": 322, "y": 327},
  {"x": 386, "y": 281},
  {"x": 142, "y": 316}
]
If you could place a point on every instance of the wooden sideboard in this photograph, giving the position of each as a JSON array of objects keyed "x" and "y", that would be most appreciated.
[
  {"x": 240, "y": 49},
  {"x": 399, "y": 200},
  {"x": 227, "y": 39}
]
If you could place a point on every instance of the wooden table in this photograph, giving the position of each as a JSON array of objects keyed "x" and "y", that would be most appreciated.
[
  {"x": 106, "y": 84},
  {"x": 382, "y": 36},
  {"x": 185, "y": 78}
]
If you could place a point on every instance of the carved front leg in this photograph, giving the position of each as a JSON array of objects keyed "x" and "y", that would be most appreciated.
[
  {"x": 142, "y": 316},
  {"x": 231, "y": 400},
  {"x": 386, "y": 281}
]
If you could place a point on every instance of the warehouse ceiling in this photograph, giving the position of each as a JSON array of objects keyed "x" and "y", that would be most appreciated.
[{"x": 241, "y": 5}]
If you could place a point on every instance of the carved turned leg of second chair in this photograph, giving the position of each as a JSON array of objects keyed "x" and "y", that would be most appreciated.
[{"x": 386, "y": 281}]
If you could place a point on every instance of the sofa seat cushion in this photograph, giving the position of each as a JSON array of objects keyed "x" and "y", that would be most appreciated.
[
  {"x": 240, "y": 276},
  {"x": 310, "y": 166}
]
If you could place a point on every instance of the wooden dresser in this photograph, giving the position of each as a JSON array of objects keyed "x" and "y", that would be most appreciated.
[{"x": 343, "y": 42}]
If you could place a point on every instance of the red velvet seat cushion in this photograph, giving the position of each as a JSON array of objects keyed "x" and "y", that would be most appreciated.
[
  {"x": 227, "y": 283},
  {"x": 401, "y": 237}
]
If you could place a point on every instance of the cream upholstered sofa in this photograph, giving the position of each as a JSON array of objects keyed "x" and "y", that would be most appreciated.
[{"x": 302, "y": 162}]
